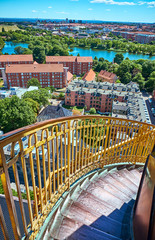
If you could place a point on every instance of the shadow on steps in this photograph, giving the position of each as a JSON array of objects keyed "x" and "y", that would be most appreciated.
[{"x": 116, "y": 226}]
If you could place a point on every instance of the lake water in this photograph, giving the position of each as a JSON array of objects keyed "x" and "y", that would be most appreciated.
[
  {"x": 108, "y": 55},
  {"x": 10, "y": 46}
]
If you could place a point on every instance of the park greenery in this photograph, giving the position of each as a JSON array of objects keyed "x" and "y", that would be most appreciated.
[
  {"x": 16, "y": 113},
  {"x": 140, "y": 71},
  {"x": 47, "y": 44}
]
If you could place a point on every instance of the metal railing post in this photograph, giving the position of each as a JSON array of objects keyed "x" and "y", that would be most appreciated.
[
  {"x": 9, "y": 197},
  {"x": 68, "y": 153}
]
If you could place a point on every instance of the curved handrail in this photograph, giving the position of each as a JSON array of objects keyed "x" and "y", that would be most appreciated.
[{"x": 55, "y": 153}]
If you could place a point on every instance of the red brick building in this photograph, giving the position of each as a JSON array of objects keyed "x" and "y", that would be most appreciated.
[
  {"x": 98, "y": 95},
  {"x": 55, "y": 75},
  {"x": 76, "y": 65},
  {"x": 105, "y": 76},
  {"x": 15, "y": 59},
  {"x": 89, "y": 76}
]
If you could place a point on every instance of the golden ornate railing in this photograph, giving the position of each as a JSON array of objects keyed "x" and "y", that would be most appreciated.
[{"x": 49, "y": 156}]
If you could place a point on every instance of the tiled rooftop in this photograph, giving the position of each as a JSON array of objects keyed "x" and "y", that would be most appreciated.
[{"x": 24, "y": 68}]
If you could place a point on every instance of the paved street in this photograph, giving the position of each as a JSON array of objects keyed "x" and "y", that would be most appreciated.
[{"x": 149, "y": 106}]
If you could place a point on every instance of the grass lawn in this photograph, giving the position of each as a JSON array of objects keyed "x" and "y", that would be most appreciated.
[
  {"x": 70, "y": 107},
  {"x": 7, "y": 28}
]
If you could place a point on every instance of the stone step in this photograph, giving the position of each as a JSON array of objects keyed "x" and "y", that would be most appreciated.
[
  {"x": 136, "y": 173},
  {"x": 120, "y": 216},
  {"x": 120, "y": 186},
  {"x": 54, "y": 230},
  {"x": 130, "y": 176},
  {"x": 97, "y": 205},
  {"x": 68, "y": 227},
  {"x": 76, "y": 193},
  {"x": 112, "y": 189},
  {"x": 126, "y": 208},
  {"x": 80, "y": 213},
  {"x": 104, "y": 195},
  {"x": 90, "y": 233},
  {"x": 129, "y": 184},
  {"x": 111, "y": 227}
]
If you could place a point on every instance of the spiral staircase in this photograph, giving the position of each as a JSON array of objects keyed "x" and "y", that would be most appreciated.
[
  {"x": 92, "y": 177},
  {"x": 97, "y": 207}
]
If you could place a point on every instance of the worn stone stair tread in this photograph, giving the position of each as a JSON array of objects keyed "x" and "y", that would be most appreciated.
[
  {"x": 94, "y": 177},
  {"x": 118, "y": 176},
  {"x": 119, "y": 185},
  {"x": 90, "y": 233},
  {"x": 131, "y": 176},
  {"x": 54, "y": 230},
  {"x": 82, "y": 214},
  {"x": 131, "y": 202},
  {"x": 104, "y": 195},
  {"x": 136, "y": 173},
  {"x": 110, "y": 226},
  {"x": 85, "y": 184},
  {"x": 87, "y": 199},
  {"x": 66, "y": 205},
  {"x": 128, "y": 184},
  {"x": 112, "y": 189},
  {"x": 75, "y": 194},
  {"x": 98, "y": 207},
  {"x": 103, "y": 173},
  {"x": 128, "y": 174},
  {"x": 126, "y": 208},
  {"x": 68, "y": 227},
  {"x": 120, "y": 216}
]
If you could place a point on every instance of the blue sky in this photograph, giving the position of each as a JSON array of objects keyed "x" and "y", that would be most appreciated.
[{"x": 106, "y": 10}]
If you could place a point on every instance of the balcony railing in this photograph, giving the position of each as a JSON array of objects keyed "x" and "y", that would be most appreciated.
[{"x": 48, "y": 157}]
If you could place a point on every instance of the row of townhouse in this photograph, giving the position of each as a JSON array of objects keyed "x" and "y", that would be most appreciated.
[
  {"x": 98, "y": 95},
  {"x": 58, "y": 70}
]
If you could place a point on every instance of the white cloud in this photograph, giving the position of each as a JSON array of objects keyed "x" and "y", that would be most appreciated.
[
  {"x": 151, "y": 4},
  {"x": 108, "y": 10},
  {"x": 112, "y": 2},
  {"x": 49, "y": 7},
  {"x": 34, "y": 11},
  {"x": 63, "y": 12},
  {"x": 44, "y": 11},
  {"x": 90, "y": 9},
  {"x": 141, "y": 3}
]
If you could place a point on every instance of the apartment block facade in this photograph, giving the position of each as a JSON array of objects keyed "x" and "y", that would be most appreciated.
[
  {"x": 98, "y": 95},
  {"x": 6, "y": 60},
  {"x": 47, "y": 75},
  {"x": 75, "y": 65}
]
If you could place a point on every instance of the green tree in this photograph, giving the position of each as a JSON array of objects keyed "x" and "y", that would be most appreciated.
[
  {"x": 118, "y": 81},
  {"x": 41, "y": 96},
  {"x": 15, "y": 113},
  {"x": 150, "y": 83},
  {"x": 33, "y": 82},
  {"x": 39, "y": 54},
  {"x": 147, "y": 68},
  {"x": 19, "y": 50},
  {"x": 118, "y": 58},
  {"x": 92, "y": 111},
  {"x": 61, "y": 96},
  {"x": 33, "y": 104},
  {"x": 52, "y": 89},
  {"x": 140, "y": 80},
  {"x": 127, "y": 77}
]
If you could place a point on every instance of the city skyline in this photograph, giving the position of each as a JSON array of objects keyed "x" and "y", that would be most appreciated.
[{"x": 104, "y": 10}]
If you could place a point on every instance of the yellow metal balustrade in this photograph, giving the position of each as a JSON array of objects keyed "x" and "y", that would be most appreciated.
[{"x": 60, "y": 151}]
